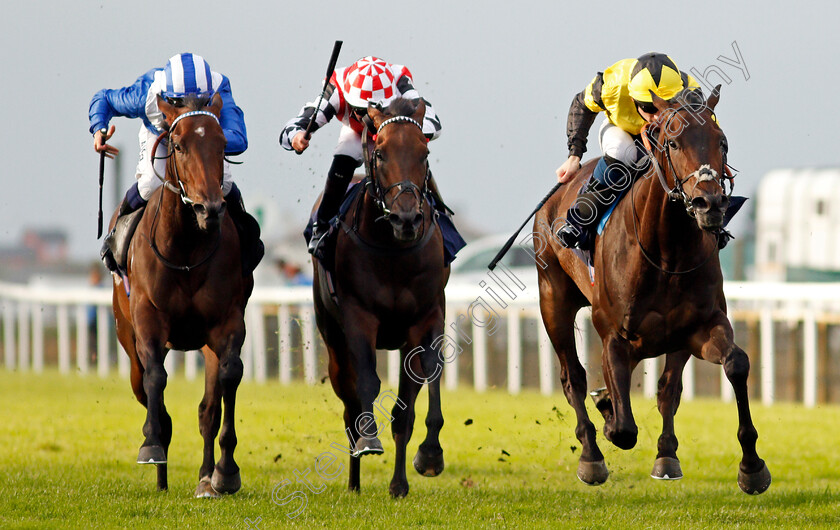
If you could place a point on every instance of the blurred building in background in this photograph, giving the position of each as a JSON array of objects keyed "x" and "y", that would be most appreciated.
[{"x": 798, "y": 225}]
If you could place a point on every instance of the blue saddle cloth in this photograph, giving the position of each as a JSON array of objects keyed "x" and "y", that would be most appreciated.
[{"x": 452, "y": 240}]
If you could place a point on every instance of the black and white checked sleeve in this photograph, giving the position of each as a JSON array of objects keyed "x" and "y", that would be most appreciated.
[
  {"x": 431, "y": 122},
  {"x": 325, "y": 112}
]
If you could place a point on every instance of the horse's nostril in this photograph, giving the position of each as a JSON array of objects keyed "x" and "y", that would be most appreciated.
[
  {"x": 199, "y": 208},
  {"x": 700, "y": 204},
  {"x": 418, "y": 218},
  {"x": 393, "y": 218}
]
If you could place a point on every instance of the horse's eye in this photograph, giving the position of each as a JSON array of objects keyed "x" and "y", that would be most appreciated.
[
  {"x": 377, "y": 154},
  {"x": 724, "y": 145},
  {"x": 673, "y": 144},
  {"x": 176, "y": 147}
]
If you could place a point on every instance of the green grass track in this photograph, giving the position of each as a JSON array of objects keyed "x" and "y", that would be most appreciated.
[{"x": 68, "y": 446}]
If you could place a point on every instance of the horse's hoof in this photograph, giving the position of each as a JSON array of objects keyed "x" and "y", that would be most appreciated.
[
  {"x": 666, "y": 468},
  {"x": 754, "y": 483},
  {"x": 227, "y": 484},
  {"x": 151, "y": 454},
  {"x": 428, "y": 465},
  {"x": 593, "y": 473},
  {"x": 398, "y": 490},
  {"x": 367, "y": 446},
  {"x": 601, "y": 399},
  {"x": 205, "y": 490}
]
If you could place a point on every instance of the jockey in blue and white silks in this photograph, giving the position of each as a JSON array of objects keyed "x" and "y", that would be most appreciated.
[{"x": 185, "y": 75}]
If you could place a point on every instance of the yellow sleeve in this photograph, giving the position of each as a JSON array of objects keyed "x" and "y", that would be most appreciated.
[{"x": 592, "y": 94}]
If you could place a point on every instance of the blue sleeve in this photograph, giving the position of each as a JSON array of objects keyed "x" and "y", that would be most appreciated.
[
  {"x": 128, "y": 102},
  {"x": 232, "y": 121}
]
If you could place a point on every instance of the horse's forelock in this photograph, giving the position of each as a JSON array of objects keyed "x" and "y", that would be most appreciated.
[
  {"x": 195, "y": 102},
  {"x": 402, "y": 107}
]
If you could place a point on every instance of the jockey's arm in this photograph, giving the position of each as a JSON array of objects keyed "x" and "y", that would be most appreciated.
[
  {"x": 232, "y": 121},
  {"x": 431, "y": 123},
  {"x": 580, "y": 120},
  {"x": 128, "y": 102},
  {"x": 293, "y": 135}
]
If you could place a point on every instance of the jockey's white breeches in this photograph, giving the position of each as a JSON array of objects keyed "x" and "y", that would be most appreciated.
[{"x": 147, "y": 181}]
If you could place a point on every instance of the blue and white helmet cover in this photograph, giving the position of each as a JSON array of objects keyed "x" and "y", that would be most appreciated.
[{"x": 188, "y": 74}]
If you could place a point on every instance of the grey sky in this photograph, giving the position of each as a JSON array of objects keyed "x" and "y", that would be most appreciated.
[{"x": 500, "y": 74}]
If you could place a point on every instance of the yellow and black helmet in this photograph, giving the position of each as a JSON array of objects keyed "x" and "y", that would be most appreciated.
[{"x": 658, "y": 73}]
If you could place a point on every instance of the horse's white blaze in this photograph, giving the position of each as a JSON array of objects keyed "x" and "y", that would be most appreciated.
[{"x": 200, "y": 131}]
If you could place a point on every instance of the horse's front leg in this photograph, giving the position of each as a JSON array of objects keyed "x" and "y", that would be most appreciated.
[
  {"x": 622, "y": 430},
  {"x": 429, "y": 458},
  {"x": 667, "y": 465},
  {"x": 361, "y": 329},
  {"x": 227, "y": 342},
  {"x": 420, "y": 365},
  {"x": 209, "y": 421},
  {"x": 158, "y": 422},
  {"x": 157, "y": 429},
  {"x": 716, "y": 344}
]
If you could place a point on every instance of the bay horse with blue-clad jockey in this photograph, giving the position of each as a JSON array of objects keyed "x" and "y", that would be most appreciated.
[
  {"x": 184, "y": 289},
  {"x": 657, "y": 289},
  {"x": 387, "y": 292}
]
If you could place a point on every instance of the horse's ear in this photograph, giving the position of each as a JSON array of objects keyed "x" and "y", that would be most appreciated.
[
  {"x": 376, "y": 112},
  {"x": 419, "y": 111},
  {"x": 658, "y": 102},
  {"x": 714, "y": 98},
  {"x": 168, "y": 110},
  {"x": 216, "y": 104}
]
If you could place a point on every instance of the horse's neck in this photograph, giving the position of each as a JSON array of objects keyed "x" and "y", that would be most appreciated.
[
  {"x": 176, "y": 229},
  {"x": 664, "y": 228}
]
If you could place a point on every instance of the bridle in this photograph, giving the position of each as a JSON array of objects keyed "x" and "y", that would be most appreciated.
[
  {"x": 380, "y": 193},
  {"x": 703, "y": 174},
  {"x": 180, "y": 190}
]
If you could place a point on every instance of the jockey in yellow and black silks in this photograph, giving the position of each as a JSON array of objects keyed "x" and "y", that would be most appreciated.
[{"x": 623, "y": 93}]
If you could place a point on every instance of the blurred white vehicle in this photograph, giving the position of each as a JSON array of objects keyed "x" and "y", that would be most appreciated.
[{"x": 470, "y": 267}]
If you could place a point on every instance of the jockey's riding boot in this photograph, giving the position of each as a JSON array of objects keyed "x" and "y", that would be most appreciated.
[
  {"x": 251, "y": 248},
  {"x": 115, "y": 244},
  {"x": 436, "y": 198},
  {"x": 609, "y": 179},
  {"x": 338, "y": 179}
]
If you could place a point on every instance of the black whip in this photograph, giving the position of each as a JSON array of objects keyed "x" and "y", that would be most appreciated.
[{"x": 510, "y": 241}]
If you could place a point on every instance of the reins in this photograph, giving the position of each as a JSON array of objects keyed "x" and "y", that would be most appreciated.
[
  {"x": 180, "y": 190},
  {"x": 677, "y": 193}
]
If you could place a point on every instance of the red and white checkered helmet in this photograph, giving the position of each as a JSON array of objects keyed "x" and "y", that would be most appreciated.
[{"x": 369, "y": 79}]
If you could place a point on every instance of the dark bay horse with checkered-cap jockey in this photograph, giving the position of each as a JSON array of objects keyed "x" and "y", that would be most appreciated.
[
  {"x": 657, "y": 288},
  {"x": 387, "y": 292},
  {"x": 184, "y": 288}
]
